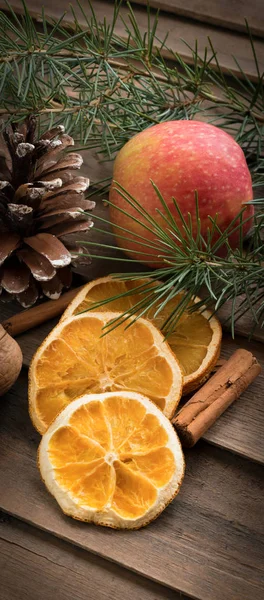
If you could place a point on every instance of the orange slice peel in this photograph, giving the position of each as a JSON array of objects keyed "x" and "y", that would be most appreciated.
[
  {"x": 113, "y": 459},
  {"x": 196, "y": 340},
  {"x": 75, "y": 359}
]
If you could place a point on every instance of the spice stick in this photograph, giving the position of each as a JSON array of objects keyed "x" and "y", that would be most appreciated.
[
  {"x": 204, "y": 408},
  {"x": 32, "y": 317}
]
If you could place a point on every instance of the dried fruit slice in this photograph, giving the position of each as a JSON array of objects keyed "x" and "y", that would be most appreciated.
[
  {"x": 113, "y": 459},
  {"x": 197, "y": 336},
  {"x": 75, "y": 359}
]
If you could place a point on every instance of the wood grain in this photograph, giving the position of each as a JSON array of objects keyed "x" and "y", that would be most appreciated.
[
  {"x": 239, "y": 429},
  {"x": 209, "y": 402},
  {"x": 208, "y": 544},
  {"x": 36, "y": 566},
  {"x": 112, "y": 262},
  {"x": 226, "y": 43},
  {"x": 36, "y": 315},
  {"x": 230, "y": 15}
]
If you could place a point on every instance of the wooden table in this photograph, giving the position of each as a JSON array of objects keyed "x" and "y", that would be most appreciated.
[{"x": 208, "y": 544}]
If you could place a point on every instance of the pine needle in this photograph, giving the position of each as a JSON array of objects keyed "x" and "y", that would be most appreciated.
[{"x": 106, "y": 88}]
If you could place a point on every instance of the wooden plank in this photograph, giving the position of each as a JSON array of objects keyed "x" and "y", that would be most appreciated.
[
  {"x": 226, "y": 43},
  {"x": 34, "y": 565},
  {"x": 100, "y": 267},
  {"x": 239, "y": 429},
  {"x": 243, "y": 327},
  {"x": 208, "y": 543},
  {"x": 227, "y": 14}
]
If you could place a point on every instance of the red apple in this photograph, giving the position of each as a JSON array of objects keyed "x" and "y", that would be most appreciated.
[{"x": 180, "y": 157}]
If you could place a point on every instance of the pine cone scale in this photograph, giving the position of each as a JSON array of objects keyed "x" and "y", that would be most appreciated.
[
  {"x": 22, "y": 192},
  {"x": 19, "y": 217},
  {"x": 48, "y": 221},
  {"x": 65, "y": 275},
  {"x": 52, "y": 133},
  {"x": 55, "y": 149},
  {"x": 67, "y": 228},
  {"x": 70, "y": 161},
  {"x": 75, "y": 184},
  {"x": 53, "y": 288},
  {"x": 51, "y": 248},
  {"x": 8, "y": 243},
  {"x": 15, "y": 278},
  {"x": 40, "y": 267},
  {"x": 41, "y": 201},
  {"x": 29, "y": 296},
  {"x": 64, "y": 204}
]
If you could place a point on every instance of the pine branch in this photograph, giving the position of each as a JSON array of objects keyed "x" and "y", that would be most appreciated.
[
  {"x": 191, "y": 265},
  {"x": 105, "y": 88}
]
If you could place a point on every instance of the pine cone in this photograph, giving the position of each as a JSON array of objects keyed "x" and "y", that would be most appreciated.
[{"x": 41, "y": 204}]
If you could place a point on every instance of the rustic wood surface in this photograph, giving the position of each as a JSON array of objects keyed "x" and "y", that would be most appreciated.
[
  {"x": 113, "y": 263},
  {"x": 208, "y": 403},
  {"x": 239, "y": 429},
  {"x": 227, "y": 43},
  {"x": 37, "y": 566},
  {"x": 208, "y": 544},
  {"x": 230, "y": 15}
]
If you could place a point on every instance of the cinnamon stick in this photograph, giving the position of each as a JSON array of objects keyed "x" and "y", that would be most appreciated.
[
  {"x": 37, "y": 315},
  {"x": 204, "y": 408}
]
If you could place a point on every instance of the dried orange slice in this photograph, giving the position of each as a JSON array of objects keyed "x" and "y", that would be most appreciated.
[
  {"x": 75, "y": 359},
  {"x": 196, "y": 340},
  {"x": 113, "y": 459}
]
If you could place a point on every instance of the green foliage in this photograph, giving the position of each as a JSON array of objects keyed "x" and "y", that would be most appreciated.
[
  {"x": 105, "y": 88},
  {"x": 191, "y": 264}
]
